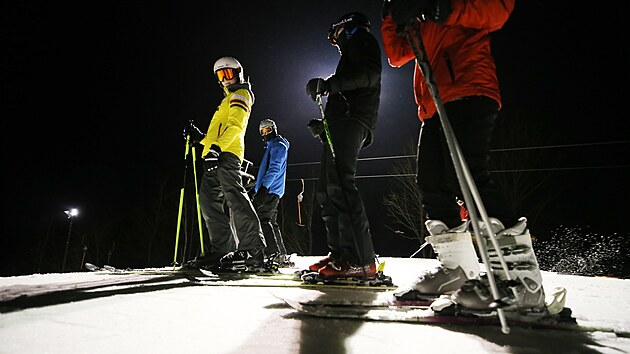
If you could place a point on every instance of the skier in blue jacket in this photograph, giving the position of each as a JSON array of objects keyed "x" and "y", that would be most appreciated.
[{"x": 269, "y": 188}]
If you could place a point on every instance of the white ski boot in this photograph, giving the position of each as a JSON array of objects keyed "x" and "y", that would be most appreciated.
[
  {"x": 458, "y": 259},
  {"x": 525, "y": 291}
]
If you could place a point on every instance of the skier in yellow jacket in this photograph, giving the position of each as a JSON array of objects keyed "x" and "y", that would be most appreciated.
[{"x": 223, "y": 153}]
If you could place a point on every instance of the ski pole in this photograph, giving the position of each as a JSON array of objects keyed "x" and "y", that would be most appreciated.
[
  {"x": 467, "y": 184},
  {"x": 300, "y": 197},
  {"x": 194, "y": 159},
  {"x": 318, "y": 99},
  {"x": 181, "y": 202},
  {"x": 425, "y": 244}
]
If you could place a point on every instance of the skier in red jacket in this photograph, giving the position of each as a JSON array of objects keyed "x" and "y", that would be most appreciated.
[{"x": 456, "y": 36}]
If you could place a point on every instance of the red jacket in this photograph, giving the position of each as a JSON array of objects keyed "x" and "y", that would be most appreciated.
[{"x": 458, "y": 51}]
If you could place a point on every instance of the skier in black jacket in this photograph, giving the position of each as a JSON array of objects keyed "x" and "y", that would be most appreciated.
[{"x": 351, "y": 111}]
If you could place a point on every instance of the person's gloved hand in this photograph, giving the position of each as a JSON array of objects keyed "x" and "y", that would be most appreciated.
[
  {"x": 195, "y": 134},
  {"x": 405, "y": 11},
  {"x": 211, "y": 160},
  {"x": 317, "y": 86},
  {"x": 259, "y": 196},
  {"x": 262, "y": 192},
  {"x": 386, "y": 8},
  {"x": 316, "y": 127}
]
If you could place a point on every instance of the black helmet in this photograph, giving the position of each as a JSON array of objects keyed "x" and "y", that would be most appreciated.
[{"x": 350, "y": 22}]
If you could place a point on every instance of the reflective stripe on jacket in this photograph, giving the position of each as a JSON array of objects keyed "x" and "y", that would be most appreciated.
[{"x": 229, "y": 122}]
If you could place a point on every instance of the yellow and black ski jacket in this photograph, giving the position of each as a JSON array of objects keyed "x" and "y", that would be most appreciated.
[{"x": 229, "y": 122}]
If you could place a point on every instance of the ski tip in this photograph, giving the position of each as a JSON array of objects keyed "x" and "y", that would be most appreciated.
[
  {"x": 206, "y": 272},
  {"x": 91, "y": 267},
  {"x": 294, "y": 304}
]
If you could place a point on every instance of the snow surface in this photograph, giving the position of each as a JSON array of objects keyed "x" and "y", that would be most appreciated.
[{"x": 177, "y": 317}]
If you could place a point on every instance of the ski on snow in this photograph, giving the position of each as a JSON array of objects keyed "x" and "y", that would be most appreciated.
[
  {"x": 279, "y": 277},
  {"x": 385, "y": 307},
  {"x": 23, "y": 296}
]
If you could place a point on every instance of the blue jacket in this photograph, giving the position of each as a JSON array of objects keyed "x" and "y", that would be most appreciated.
[{"x": 273, "y": 166}]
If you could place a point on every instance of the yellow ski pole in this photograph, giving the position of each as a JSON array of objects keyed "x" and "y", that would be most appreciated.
[
  {"x": 197, "y": 199},
  {"x": 181, "y": 202}
]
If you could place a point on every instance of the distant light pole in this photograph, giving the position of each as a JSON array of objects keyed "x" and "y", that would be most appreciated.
[{"x": 71, "y": 214}]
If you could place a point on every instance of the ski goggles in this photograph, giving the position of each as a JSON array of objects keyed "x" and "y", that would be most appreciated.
[
  {"x": 334, "y": 33},
  {"x": 225, "y": 74},
  {"x": 264, "y": 131}
]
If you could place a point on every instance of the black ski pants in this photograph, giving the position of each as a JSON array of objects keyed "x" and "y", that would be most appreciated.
[
  {"x": 223, "y": 185},
  {"x": 472, "y": 120},
  {"x": 267, "y": 209},
  {"x": 343, "y": 212}
]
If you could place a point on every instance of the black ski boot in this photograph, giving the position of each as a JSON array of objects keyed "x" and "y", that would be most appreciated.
[
  {"x": 280, "y": 260},
  {"x": 207, "y": 261},
  {"x": 284, "y": 261},
  {"x": 244, "y": 261}
]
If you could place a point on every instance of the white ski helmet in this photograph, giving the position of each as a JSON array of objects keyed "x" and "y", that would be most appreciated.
[
  {"x": 267, "y": 124},
  {"x": 231, "y": 63}
]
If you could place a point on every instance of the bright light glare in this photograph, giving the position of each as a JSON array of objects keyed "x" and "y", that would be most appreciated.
[{"x": 72, "y": 212}]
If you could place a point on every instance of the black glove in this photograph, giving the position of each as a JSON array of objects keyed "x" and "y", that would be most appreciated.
[
  {"x": 405, "y": 11},
  {"x": 386, "y": 9},
  {"x": 211, "y": 160},
  {"x": 262, "y": 192},
  {"x": 316, "y": 127},
  {"x": 317, "y": 86},
  {"x": 195, "y": 134}
]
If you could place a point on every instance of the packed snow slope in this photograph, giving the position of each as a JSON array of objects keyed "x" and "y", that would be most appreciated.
[{"x": 182, "y": 316}]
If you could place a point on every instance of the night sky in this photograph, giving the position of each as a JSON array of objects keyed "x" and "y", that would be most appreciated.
[{"x": 95, "y": 96}]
